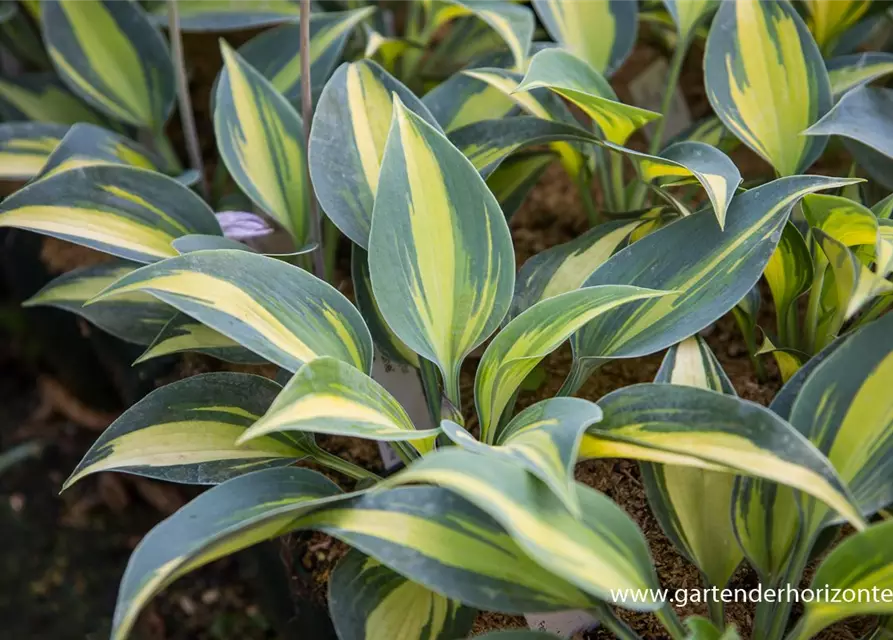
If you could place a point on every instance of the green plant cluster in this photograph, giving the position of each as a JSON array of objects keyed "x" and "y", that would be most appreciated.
[{"x": 432, "y": 120}]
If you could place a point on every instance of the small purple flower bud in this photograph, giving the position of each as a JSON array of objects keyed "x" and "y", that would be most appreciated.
[{"x": 243, "y": 225}]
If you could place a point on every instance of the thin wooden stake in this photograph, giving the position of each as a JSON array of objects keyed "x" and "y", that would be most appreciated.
[
  {"x": 319, "y": 265},
  {"x": 187, "y": 117}
]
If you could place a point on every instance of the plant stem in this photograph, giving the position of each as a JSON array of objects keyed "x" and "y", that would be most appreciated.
[
  {"x": 335, "y": 463},
  {"x": 163, "y": 147},
  {"x": 604, "y": 179},
  {"x": 331, "y": 235},
  {"x": 657, "y": 138},
  {"x": 717, "y": 613},
  {"x": 617, "y": 184},
  {"x": 613, "y": 623},
  {"x": 187, "y": 117},
  {"x": 583, "y": 184},
  {"x": 319, "y": 266},
  {"x": 431, "y": 384},
  {"x": 671, "y": 622},
  {"x": 815, "y": 298}
]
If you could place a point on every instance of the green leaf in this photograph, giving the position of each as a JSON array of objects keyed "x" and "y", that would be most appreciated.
[
  {"x": 136, "y": 317},
  {"x": 692, "y": 505},
  {"x": 600, "y": 33},
  {"x": 544, "y": 439},
  {"x": 767, "y": 82},
  {"x": 182, "y": 333},
  {"x": 125, "y": 211},
  {"x": 566, "y": 266},
  {"x": 276, "y": 55},
  {"x": 87, "y": 145},
  {"x": 347, "y": 142},
  {"x": 25, "y": 147},
  {"x": 789, "y": 275},
  {"x": 688, "y": 15},
  {"x": 385, "y": 340},
  {"x": 276, "y": 310},
  {"x": 711, "y": 275},
  {"x": 601, "y": 552},
  {"x": 855, "y": 69},
  {"x": 703, "y": 629},
  {"x": 450, "y": 286},
  {"x": 861, "y": 565},
  {"x": 513, "y": 23},
  {"x": 675, "y": 424},
  {"x": 830, "y": 20},
  {"x": 228, "y": 15},
  {"x": 862, "y": 116},
  {"x": 516, "y": 176},
  {"x": 461, "y": 100},
  {"x": 186, "y": 432},
  {"x": 428, "y": 534},
  {"x": 41, "y": 97},
  {"x": 575, "y": 80},
  {"x": 368, "y": 601},
  {"x": 329, "y": 396},
  {"x": 261, "y": 140},
  {"x": 533, "y": 335},
  {"x": 111, "y": 55}
]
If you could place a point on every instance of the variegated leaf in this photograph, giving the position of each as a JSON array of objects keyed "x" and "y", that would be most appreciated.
[
  {"x": 711, "y": 275},
  {"x": 125, "y": 211},
  {"x": 450, "y": 284},
  {"x": 766, "y": 81},
  {"x": 461, "y": 100},
  {"x": 488, "y": 142},
  {"x": 600, "y": 33},
  {"x": 260, "y": 139},
  {"x": 86, "y": 145},
  {"x": 369, "y": 601},
  {"x": 428, "y": 534},
  {"x": 788, "y": 274},
  {"x": 850, "y": 287},
  {"x": 347, "y": 142},
  {"x": 186, "y": 432},
  {"x": 788, "y": 359},
  {"x": 573, "y": 79},
  {"x": 544, "y": 439},
  {"x": 675, "y": 424},
  {"x": 276, "y": 310},
  {"x": 829, "y": 20},
  {"x": 683, "y": 162},
  {"x": 541, "y": 103},
  {"x": 513, "y": 23},
  {"x": 111, "y": 55},
  {"x": 764, "y": 514},
  {"x": 861, "y": 565},
  {"x": 276, "y": 53},
  {"x": 41, "y": 97},
  {"x": 846, "y": 221},
  {"x": 860, "y": 116},
  {"x": 855, "y": 69},
  {"x": 565, "y": 267},
  {"x": 228, "y": 15},
  {"x": 182, "y": 334},
  {"x": 688, "y": 15},
  {"x": 329, "y": 396},
  {"x": 600, "y": 552},
  {"x": 136, "y": 317},
  {"x": 25, "y": 147},
  {"x": 533, "y": 335},
  {"x": 693, "y": 505}
]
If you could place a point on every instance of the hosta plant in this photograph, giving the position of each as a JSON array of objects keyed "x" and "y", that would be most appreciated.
[{"x": 423, "y": 144}]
